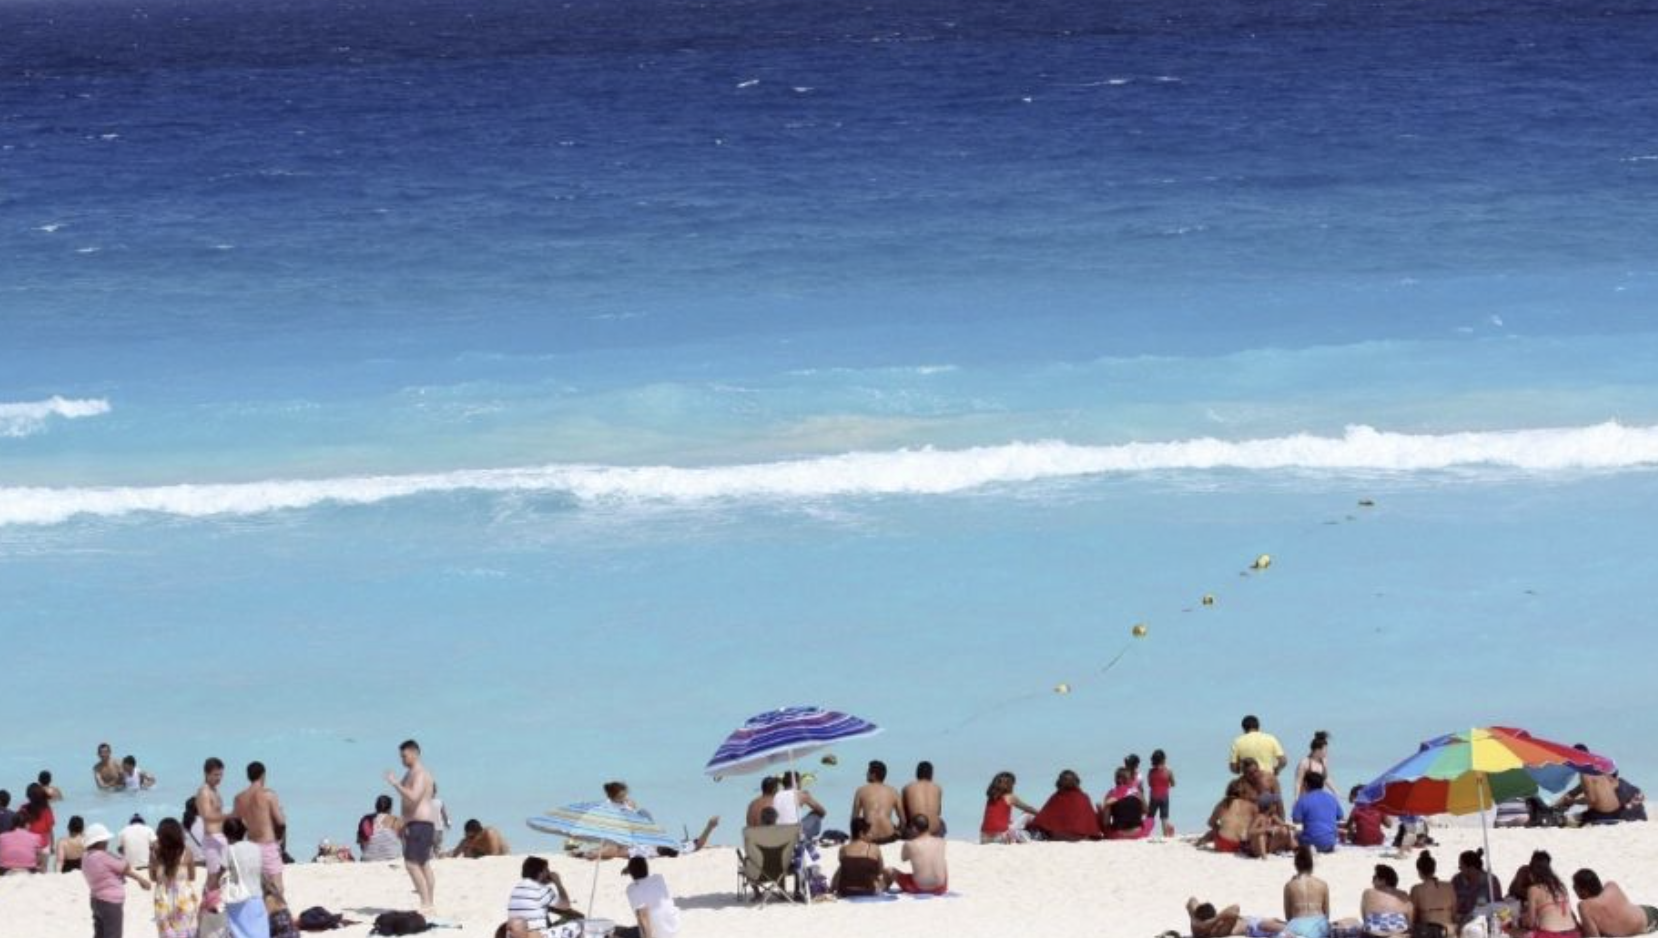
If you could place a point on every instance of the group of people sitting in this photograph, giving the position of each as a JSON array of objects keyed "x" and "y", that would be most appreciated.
[
  {"x": 539, "y": 905},
  {"x": 1131, "y": 810},
  {"x": 1538, "y": 905}
]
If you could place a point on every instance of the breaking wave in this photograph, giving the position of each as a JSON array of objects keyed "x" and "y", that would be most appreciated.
[{"x": 25, "y": 418}]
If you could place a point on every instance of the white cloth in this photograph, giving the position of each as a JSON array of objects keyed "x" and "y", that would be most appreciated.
[
  {"x": 651, "y": 894},
  {"x": 244, "y": 865},
  {"x": 135, "y": 841},
  {"x": 197, "y": 840},
  {"x": 787, "y": 805}
]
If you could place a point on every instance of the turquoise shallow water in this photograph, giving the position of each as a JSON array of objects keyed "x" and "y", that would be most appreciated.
[{"x": 563, "y": 387}]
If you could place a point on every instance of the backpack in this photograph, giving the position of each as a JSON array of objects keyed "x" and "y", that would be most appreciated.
[
  {"x": 317, "y": 918},
  {"x": 399, "y": 923}
]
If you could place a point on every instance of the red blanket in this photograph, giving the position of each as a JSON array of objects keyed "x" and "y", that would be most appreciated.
[{"x": 1068, "y": 815}]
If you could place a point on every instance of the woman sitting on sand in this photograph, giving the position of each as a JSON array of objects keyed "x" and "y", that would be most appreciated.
[
  {"x": 377, "y": 833},
  {"x": 1435, "y": 901},
  {"x": 70, "y": 850},
  {"x": 1474, "y": 886},
  {"x": 1306, "y": 900},
  {"x": 999, "y": 802},
  {"x": 862, "y": 870},
  {"x": 1548, "y": 910},
  {"x": 1123, "y": 812},
  {"x": 1068, "y": 814},
  {"x": 1386, "y": 912}
]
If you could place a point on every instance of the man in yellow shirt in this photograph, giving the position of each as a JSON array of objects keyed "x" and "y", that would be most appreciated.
[{"x": 1264, "y": 748}]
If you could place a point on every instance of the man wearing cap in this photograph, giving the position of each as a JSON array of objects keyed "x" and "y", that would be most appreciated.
[
  {"x": 105, "y": 874},
  {"x": 135, "y": 840}
]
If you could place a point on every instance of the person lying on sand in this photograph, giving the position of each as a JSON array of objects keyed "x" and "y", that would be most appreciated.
[
  {"x": 478, "y": 841},
  {"x": 1603, "y": 909},
  {"x": 1207, "y": 922}
]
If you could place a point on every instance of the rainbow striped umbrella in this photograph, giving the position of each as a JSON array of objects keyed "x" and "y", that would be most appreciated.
[
  {"x": 784, "y": 735},
  {"x": 1465, "y": 773}
]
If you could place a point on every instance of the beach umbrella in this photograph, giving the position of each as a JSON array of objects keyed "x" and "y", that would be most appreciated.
[
  {"x": 1470, "y": 772},
  {"x": 783, "y": 736},
  {"x": 604, "y": 822}
]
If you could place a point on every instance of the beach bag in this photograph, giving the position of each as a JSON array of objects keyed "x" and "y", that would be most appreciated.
[
  {"x": 399, "y": 923},
  {"x": 235, "y": 890},
  {"x": 317, "y": 918}
]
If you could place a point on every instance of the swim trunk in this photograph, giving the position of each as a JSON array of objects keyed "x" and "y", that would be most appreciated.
[
  {"x": 1254, "y": 929},
  {"x": 270, "y": 859},
  {"x": 907, "y": 884},
  {"x": 213, "y": 851},
  {"x": 1651, "y": 919},
  {"x": 1308, "y": 926},
  {"x": 1158, "y": 808},
  {"x": 1222, "y": 845},
  {"x": 418, "y": 837}
]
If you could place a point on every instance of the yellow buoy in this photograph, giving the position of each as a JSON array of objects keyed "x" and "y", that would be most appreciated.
[
  {"x": 1262, "y": 562},
  {"x": 1208, "y": 599},
  {"x": 1140, "y": 630},
  {"x": 1062, "y": 688}
]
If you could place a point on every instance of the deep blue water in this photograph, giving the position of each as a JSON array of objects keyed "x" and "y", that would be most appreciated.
[{"x": 655, "y": 254}]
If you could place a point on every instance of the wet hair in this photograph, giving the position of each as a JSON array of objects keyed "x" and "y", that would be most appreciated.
[
  {"x": 1314, "y": 781},
  {"x": 613, "y": 790},
  {"x": 924, "y": 771},
  {"x": 1251, "y": 723},
  {"x": 44, "y": 778},
  {"x": 77, "y": 825},
  {"x": 1473, "y": 859},
  {"x": 1131, "y": 762},
  {"x": 638, "y": 868},
  {"x": 169, "y": 845},
  {"x": 1388, "y": 875},
  {"x": 1001, "y": 784},
  {"x": 5, "y": 798},
  {"x": 190, "y": 813},
  {"x": 768, "y": 785},
  {"x": 1303, "y": 859},
  {"x": 213, "y": 764},
  {"x": 1204, "y": 912},
  {"x": 877, "y": 770},
  {"x": 533, "y": 868},
  {"x": 409, "y": 745},
  {"x": 473, "y": 827},
  {"x": 1068, "y": 781},
  {"x": 235, "y": 830},
  {"x": 382, "y": 804},
  {"x": 1542, "y": 873},
  {"x": 1426, "y": 864},
  {"x": 1121, "y": 776},
  {"x": 1158, "y": 759},
  {"x": 129, "y": 762},
  {"x": 860, "y": 827},
  {"x": 918, "y": 823},
  {"x": 1587, "y": 882},
  {"x": 256, "y": 771},
  {"x": 768, "y": 817},
  {"x": 1320, "y": 740}
]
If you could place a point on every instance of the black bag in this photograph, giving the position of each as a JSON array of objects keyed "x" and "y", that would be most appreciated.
[
  {"x": 399, "y": 923},
  {"x": 317, "y": 918}
]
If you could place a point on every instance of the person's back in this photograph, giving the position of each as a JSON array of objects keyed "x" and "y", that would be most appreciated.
[
  {"x": 135, "y": 840},
  {"x": 923, "y": 796},
  {"x": 1264, "y": 748},
  {"x": 20, "y": 850},
  {"x": 1306, "y": 899},
  {"x": 1319, "y": 814},
  {"x": 651, "y": 902},
  {"x": 1609, "y": 912},
  {"x": 877, "y": 802},
  {"x": 382, "y": 844},
  {"x": 1435, "y": 903},
  {"x": 925, "y": 853}
]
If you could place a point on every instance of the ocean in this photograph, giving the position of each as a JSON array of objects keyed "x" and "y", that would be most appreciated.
[{"x": 561, "y": 384}]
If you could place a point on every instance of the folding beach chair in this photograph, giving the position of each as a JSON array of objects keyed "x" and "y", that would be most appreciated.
[{"x": 766, "y": 862}]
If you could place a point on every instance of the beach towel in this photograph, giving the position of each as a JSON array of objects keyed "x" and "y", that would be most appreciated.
[{"x": 1068, "y": 815}]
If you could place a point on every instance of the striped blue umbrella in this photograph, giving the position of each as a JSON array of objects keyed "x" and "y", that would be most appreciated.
[
  {"x": 780, "y": 736},
  {"x": 604, "y": 821}
]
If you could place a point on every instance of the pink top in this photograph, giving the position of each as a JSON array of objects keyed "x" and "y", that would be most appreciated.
[
  {"x": 103, "y": 871},
  {"x": 20, "y": 849}
]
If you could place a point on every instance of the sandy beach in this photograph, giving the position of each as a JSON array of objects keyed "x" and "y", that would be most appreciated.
[{"x": 1117, "y": 889}]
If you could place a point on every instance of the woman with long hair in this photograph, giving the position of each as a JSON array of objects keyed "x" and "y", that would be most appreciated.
[
  {"x": 1548, "y": 908},
  {"x": 174, "y": 872},
  {"x": 1317, "y": 760},
  {"x": 999, "y": 804}
]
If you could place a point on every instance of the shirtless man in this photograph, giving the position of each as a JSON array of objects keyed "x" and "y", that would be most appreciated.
[
  {"x": 768, "y": 795},
  {"x": 1599, "y": 796},
  {"x": 1231, "y": 821},
  {"x": 480, "y": 841},
  {"x": 106, "y": 772},
  {"x": 1604, "y": 910},
  {"x": 1207, "y": 922},
  {"x": 879, "y": 804},
  {"x": 925, "y": 854},
  {"x": 258, "y": 808},
  {"x": 924, "y": 797},
  {"x": 419, "y": 829},
  {"x": 210, "y": 806}
]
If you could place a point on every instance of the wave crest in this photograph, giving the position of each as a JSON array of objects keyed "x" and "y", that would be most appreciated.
[
  {"x": 25, "y": 418},
  {"x": 927, "y": 471}
]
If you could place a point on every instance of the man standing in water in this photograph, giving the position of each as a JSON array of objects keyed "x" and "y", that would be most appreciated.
[
  {"x": 259, "y": 809},
  {"x": 210, "y": 807},
  {"x": 106, "y": 772},
  {"x": 419, "y": 830}
]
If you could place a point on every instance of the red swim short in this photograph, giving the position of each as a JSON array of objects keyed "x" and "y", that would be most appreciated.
[
  {"x": 906, "y": 883},
  {"x": 1222, "y": 845}
]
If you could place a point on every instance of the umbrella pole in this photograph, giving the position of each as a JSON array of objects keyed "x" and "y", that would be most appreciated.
[
  {"x": 1485, "y": 833},
  {"x": 593, "y": 893},
  {"x": 801, "y": 876}
]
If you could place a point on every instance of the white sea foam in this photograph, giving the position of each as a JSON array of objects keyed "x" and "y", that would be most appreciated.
[
  {"x": 24, "y": 418},
  {"x": 1607, "y": 446}
]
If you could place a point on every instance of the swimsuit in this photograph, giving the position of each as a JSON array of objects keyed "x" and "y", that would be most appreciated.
[
  {"x": 907, "y": 884},
  {"x": 1651, "y": 919},
  {"x": 1308, "y": 926},
  {"x": 1222, "y": 845},
  {"x": 270, "y": 859},
  {"x": 1386, "y": 923},
  {"x": 1254, "y": 929}
]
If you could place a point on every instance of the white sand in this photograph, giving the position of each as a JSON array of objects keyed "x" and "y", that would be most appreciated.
[{"x": 1119, "y": 889}]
